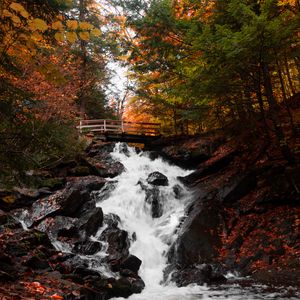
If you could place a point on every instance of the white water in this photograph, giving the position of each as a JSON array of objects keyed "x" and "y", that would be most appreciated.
[{"x": 154, "y": 236}]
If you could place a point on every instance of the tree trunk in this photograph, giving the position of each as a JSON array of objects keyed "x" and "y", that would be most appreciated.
[
  {"x": 274, "y": 109},
  {"x": 82, "y": 93},
  {"x": 289, "y": 76},
  {"x": 284, "y": 96}
]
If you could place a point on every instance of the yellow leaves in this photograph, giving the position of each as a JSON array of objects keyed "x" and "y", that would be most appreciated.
[
  {"x": 37, "y": 36},
  {"x": 19, "y": 9},
  {"x": 7, "y": 13},
  {"x": 96, "y": 32},
  {"x": 84, "y": 35},
  {"x": 9, "y": 199},
  {"x": 57, "y": 25},
  {"x": 38, "y": 24},
  {"x": 59, "y": 36},
  {"x": 16, "y": 19},
  {"x": 72, "y": 24},
  {"x": 86, "y": 26},
  {"x": 71, "y": 36}
]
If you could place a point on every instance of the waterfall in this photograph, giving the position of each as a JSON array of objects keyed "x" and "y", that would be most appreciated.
[{"x": 154, "y": 236}]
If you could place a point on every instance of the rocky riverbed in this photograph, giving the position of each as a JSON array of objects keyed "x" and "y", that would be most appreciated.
[{"x": 244, "y": 218}]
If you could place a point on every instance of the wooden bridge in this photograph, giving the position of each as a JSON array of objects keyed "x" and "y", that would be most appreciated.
[{"x": 122, "y": 131}]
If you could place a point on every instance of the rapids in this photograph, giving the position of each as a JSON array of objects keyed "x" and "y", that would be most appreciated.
[{"x": 154, "y": 236}]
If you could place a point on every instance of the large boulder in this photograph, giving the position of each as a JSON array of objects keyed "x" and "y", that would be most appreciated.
[
  {"x": 158, "y": 179},
  {"x": 91, "y": 221},
  {"x": 65, "y": 202},
  {"x": 199, "y": 236},
  {"x": 200, "y": 274},
  {"x": 89, "y": 183},
  {"x": 131, "y": 263}
]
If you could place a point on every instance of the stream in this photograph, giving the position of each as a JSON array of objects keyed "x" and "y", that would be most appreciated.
[{"x": 154, "y": 236}]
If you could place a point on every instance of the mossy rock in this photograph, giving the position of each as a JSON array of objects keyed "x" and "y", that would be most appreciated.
[
  {"x": 52, "y": 183},
  {"x": 80, "y": 171}
]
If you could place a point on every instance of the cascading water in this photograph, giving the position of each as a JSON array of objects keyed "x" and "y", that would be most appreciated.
[{"x": 154, "y": 236}]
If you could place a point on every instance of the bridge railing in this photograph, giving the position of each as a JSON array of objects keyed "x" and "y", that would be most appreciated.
[{"x": 119, "y": 127}]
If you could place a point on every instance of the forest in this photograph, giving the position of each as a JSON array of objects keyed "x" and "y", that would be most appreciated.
[
  {"x": 207, "y": 207},
  {"x": 193, "y": 66}
]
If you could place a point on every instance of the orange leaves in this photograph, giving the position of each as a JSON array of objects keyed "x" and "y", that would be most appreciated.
[
  {"x": 17, "y": 7},
  {"x": 72, "y": 24},
  {"x": 56, "y": 296},
  {"x": 84, "y": 35},
  {"x": 71, "y": 36},
  {"x": 38, "y": 24}
]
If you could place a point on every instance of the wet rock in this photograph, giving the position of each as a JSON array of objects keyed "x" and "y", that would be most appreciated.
[
  {"x": 199, "y": 236},
  {"x": 158, "y": 179},
  {"x": 89, "y": 183},
  {"x": 178, "y": 191},
  {"x": 127, "y": 273},
  {"x": 125, "y": 286},
  {"x": 198, "y": 274},
  {"x": 112, "y": 220},
  {"x": 105, "y": 192},
  {"x": 80, "y": 171},
  {"x": 88, "y": 247},
  {"x": 85, "y": 271},
  {"x": 91, "y": 221},
  {"x": 66, "y": 202},
  {"x": 118, "y": 246},
  {"x": 104, "y": 168},
  {"x": 131, "y": 263},
  {"x": 154, "y": 198},
  {"x": 59, "y": 226}
]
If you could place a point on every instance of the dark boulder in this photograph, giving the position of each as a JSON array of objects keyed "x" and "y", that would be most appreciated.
[
  {"x": 59, "y": 226},
  {"x": 158, "y": 179},
  {"x": 88, "y": 247},
  {"x": 131, "y": 263},
  {"x": 91, "y": 221},
  {"x": 112, "y": 220},
  {"x": 199, "y": 236},
  {"x": 118, "y": 246},
  {"x": 125, "y": 287},
  {"x": 104, "y": 168},
  {"x": 89, "y": 183},
  {"x": 199, "y": 274},
  {"x": 154, "y": 198},
  {"x": 65, "y": 202}
]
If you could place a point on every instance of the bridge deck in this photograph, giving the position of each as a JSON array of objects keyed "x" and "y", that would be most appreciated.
[{"x": 120, "y": 130}]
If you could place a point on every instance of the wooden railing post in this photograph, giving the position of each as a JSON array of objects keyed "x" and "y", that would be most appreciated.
[
  {"x": 104, "y": 125},
  {"x": 80, "y": 124}
]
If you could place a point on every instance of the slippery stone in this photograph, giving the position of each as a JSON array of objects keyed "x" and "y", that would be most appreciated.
[
  {"x": 88, "y": 247},
  {"x": 132, "y": 263},
  {"x": 158, "y": 179}
]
